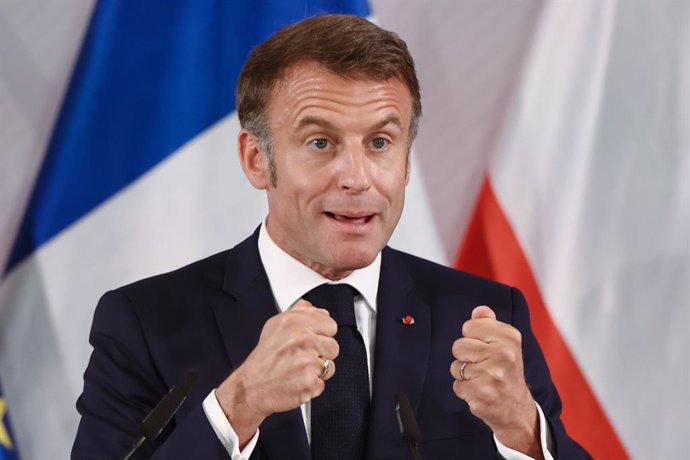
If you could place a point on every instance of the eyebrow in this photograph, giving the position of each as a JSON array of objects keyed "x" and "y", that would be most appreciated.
[
  {"x": 318, "y": 121},
  {"x": 390, "y": 119},
  {"x": 322, "y": 122}
]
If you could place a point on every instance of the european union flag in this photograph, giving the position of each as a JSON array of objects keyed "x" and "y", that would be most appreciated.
[{"x": 7, "y": 447}]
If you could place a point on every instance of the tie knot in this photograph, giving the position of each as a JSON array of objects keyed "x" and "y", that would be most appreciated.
[{"x": 338, "y": 299}]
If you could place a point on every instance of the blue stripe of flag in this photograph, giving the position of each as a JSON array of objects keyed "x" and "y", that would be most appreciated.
[{"x": 150, "y": 76}]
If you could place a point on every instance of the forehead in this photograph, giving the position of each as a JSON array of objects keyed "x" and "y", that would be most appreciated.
[{"x": 309, "y": 86}]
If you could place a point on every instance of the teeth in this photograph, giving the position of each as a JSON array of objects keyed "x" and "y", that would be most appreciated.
[{"x": 350, "y": 219}]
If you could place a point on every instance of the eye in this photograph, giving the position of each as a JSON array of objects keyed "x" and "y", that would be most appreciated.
[
  {"x": 320, "y": 143},
  {"x": 380, "y": 143}
]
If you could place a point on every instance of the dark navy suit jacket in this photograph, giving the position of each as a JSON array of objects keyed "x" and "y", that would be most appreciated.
[{"x": 208, "y": 316}]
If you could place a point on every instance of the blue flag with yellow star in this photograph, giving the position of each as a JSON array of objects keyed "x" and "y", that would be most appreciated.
[{"x": 7, "y": 447}]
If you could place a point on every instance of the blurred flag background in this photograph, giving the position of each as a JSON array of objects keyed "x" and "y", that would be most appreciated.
[
  {"x": 554, "y": 155},
  {"x": 7, "y": 450}
]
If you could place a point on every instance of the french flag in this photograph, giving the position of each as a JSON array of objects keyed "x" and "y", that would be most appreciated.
[{"x": 553, "y": 155}]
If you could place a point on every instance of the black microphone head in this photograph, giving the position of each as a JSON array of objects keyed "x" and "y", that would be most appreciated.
[
  {"x": 158, "y": 418},
  {"x": 406, "y": 419}
]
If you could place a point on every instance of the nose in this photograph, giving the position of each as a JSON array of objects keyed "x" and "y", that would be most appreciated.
[{"x": 354, "y": 170}]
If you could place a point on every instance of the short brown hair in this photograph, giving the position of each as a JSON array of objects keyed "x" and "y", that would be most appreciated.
[{"x": 349, "y": 46}]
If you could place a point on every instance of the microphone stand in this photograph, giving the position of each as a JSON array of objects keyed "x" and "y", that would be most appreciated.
[
  {"x": 160, "y": 416},
  {"x": 408, "y": 424}
]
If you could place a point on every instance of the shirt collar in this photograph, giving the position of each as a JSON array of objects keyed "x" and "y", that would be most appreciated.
[{"x": 290, "y": 279}]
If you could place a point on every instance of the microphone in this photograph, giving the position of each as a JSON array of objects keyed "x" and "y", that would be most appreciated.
[
  {"x": 160, "y": 416},
  {"x": 408, "y": 424}
]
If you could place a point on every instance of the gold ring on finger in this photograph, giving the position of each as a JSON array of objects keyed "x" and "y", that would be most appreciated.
[
  {"x": 462, "y": 371},
  {"x": 326, "y": 366}
]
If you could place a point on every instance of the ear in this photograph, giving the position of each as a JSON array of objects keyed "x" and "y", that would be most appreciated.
[
  {"x": 253, "y": 160},
  {"x": 408, "y": 167}
]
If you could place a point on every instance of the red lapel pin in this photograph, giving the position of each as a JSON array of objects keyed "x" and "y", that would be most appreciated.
[{"x": 407, "y": 320}]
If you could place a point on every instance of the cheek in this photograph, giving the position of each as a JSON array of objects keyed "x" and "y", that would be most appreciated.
[
  {"x": 392, "y": 185},
  {"x": 303, "y": 199}
]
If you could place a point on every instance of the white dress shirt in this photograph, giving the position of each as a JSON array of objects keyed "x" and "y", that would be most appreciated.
[{"x": 290, "y": 280}]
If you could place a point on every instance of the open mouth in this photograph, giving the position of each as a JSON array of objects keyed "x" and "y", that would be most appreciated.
[{"x": 357, "y": 220}]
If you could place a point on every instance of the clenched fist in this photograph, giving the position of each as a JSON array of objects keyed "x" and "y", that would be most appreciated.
[
  {"x": 283, "y": 371},
  {"x": 489, "y": 376}
]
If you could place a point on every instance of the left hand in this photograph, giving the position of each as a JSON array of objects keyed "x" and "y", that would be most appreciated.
[{"x": 494, "y": 386}]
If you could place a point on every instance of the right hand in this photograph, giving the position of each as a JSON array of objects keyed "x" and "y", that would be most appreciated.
[{"x": 284, "y": 369}]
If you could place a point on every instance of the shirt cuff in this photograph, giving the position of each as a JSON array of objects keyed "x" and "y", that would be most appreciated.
[
  {"x": 226, "y": 434},
  {"x": 544, "y": 439}
]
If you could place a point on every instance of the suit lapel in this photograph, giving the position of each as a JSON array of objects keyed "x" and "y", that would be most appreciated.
[
  {"x": 400, "y": 355},
  {"x": 240, "y": 321}
]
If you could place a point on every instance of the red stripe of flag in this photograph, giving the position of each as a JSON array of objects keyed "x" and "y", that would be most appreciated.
[{"x": 491, "y": 250}]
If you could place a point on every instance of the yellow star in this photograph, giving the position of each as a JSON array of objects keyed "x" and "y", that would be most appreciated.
[{"x": 5, "y": 440}]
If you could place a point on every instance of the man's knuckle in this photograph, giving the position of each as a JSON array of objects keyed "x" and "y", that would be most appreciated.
[
  {"x": 515, "y": 335},
  {"x": 457, "y": 348},
  {"x": 457, "y": 389},
  {"x": 302, "y": 340},
  {"x": 287, "y": 320},
  {"x": 505, "y": 353},
  {"x": 477, "y": 406},
  {"x": 315, "y": 384},
  {"x": 484, "y": 393},
  {"x": 497, "y": 375},
  {"x": 334, "y": 349}
]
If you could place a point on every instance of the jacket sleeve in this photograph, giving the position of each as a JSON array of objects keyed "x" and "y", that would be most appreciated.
[
  {"x": 540, "y": 383},
  {"x": 122, "y": 385}
]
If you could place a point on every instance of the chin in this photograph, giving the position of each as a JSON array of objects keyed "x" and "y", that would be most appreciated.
[{"x": 354, "y": 259}]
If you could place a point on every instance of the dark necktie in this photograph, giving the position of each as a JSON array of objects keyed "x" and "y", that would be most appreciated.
[{"x": 339, "y": 414}]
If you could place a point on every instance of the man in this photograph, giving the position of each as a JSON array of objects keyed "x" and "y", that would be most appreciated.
[{"x": 329, "y": 109}]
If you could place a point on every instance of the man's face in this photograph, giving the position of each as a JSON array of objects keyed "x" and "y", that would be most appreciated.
[{"x": 341, "y": 157}]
